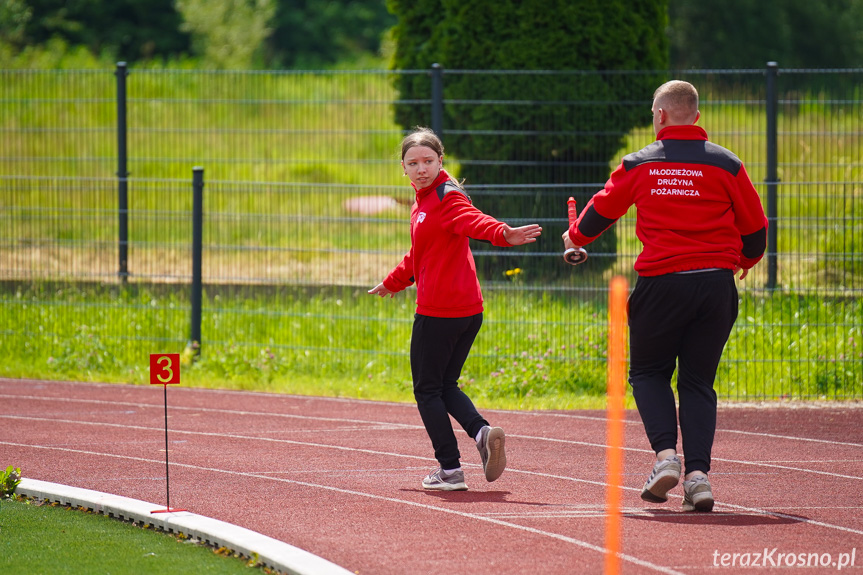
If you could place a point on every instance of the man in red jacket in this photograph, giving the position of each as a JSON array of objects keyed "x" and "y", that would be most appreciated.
[{"x": 700, "y": 221}]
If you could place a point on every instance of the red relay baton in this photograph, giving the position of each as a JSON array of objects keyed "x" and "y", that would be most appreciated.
[{"x": 572, "y": 255}]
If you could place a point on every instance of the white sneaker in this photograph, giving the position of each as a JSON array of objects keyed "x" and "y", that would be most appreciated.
[
  {"x": 664, "y": 477},
  {"x": 491, "y": 451},
  {"x": 440, "y": 481},
  {"x": 697, "y": 494}
]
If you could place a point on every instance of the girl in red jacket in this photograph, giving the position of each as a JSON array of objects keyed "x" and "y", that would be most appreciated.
[{"x": 449, "y": 306}]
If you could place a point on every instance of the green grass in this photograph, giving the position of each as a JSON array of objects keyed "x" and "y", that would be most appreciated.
[
  {"x": 332, "y": 342},
  {"x": 333, "y": 137},
  {"x": 536, "y": 350},
  {"x": 241, "y": 126},
  {"x": 44, "y": 538}
]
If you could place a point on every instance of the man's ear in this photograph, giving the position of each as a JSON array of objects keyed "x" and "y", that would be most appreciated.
[{"x": 697, "y": 116}]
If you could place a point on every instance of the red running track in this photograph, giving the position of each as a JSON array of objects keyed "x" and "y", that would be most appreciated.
[{"x": 340, "y": 478}]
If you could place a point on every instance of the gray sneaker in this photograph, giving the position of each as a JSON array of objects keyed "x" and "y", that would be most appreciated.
[
  {"x": 440, "y": 481},
  {"x": 491, "y": 451},
  {"x": 697, "y": 494},
  {"x": 663, "y": 478}
]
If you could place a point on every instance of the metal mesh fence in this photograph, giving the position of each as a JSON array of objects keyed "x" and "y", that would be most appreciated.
[
  {"x": 57, "y": 122},
  {"x": 305, "y": 209}
]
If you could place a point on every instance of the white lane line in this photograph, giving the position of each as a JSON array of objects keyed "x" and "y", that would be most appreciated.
[
  {"x": 599, "y": 513},
  {"x": 789, "y": 468},
  {"x": 221, "y": 435},
  {"x": 366, "y": 470},
  {"x": 790, "y": 517},
  {"x": 601, "y": 484},
  {"x": 789, "y": 507},
  {"x": 600, "y": 418},
  {"x": 790, "y": 437},
  {"x": 214, "y": 410},
  {"x": 725, "y": 405},
  {"x": 339, "y": 429},
  {"x": 750, "y": 510},
  {"x": 725, "y": 460},
  {"x": 594, "y": 418},
  {"x": 550, "y": 534},
  {"x": 855, "y": 461},
  {"x": 17, "y": 382},
  {"x": 600, "y": 446}
]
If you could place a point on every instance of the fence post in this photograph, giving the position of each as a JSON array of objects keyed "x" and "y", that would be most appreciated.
[
  {"x": 437, "y": 100},
  {"x": 122, "y": 174},
  {"x": 197, "y": 251},
  {"x": 772, "y": 179}
]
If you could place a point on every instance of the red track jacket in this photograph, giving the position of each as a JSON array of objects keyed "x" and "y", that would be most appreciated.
[
  {"x": 697, "y": 207},
  {"x": 440, "y": 260}
]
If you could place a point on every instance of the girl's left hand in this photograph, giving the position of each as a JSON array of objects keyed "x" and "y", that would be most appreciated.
[{"x": 523, "y": 235}]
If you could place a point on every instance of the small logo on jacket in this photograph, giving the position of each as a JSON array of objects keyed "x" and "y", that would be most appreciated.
[{"x": 421, "y": 217}]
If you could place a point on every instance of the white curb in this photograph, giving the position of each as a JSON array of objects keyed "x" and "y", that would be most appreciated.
[{"x": 270, "y": 552}]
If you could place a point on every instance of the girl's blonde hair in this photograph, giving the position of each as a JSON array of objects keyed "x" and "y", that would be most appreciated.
[{"x": 422, "y": 137}]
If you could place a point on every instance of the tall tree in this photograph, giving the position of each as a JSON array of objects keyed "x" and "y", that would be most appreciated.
[
  {"x": 310, "y": 33},
  {"x": 557, "y": 128},
  {"x": 14, "y": 17},
  {"x": 228, "y": 34},
  {"x": 302, "y": 33},
  {"x": 126, "y": 29},
  {"x": 748, "y": 33}
]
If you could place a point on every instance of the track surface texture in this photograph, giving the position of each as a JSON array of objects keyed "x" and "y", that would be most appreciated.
[{"x": 340, "y": 478}]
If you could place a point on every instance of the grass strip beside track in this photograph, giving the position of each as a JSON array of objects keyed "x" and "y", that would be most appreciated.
[{"x": 38, "y": 537}]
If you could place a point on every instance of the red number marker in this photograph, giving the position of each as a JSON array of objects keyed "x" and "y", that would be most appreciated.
[{"x": 164, "y": 368}]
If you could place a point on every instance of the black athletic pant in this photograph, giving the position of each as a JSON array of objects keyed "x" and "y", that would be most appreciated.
[
  {"x": 439, "y": 348},
  {"x": 682, "y": 319}
]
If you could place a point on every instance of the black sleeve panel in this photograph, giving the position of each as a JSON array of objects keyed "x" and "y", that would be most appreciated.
[
  {"x": 685, "y": 152},
  {"x": 754, "y": 244},
  {"x": 593, "y": 224},
  {"x": 448, "y": 187}
]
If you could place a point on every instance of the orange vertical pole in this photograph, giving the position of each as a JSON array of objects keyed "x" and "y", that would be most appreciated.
[{"x": 615, "y": 417}]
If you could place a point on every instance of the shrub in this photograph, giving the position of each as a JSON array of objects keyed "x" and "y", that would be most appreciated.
[
  {"x": 9, "y": 480},
  {"x": 565, "y": 130}
]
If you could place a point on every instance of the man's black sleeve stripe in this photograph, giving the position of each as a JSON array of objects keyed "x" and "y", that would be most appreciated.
[
  {"x": 754, "y": 244},
  {"x": 593, "y": 224},
  {"x": 693, "y": 152}
]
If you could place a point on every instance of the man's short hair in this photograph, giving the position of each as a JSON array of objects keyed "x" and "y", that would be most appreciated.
[{"x": 679, "y": 98}]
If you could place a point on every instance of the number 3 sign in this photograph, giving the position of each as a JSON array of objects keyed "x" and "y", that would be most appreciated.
[{"x": 164, "y": 368}]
